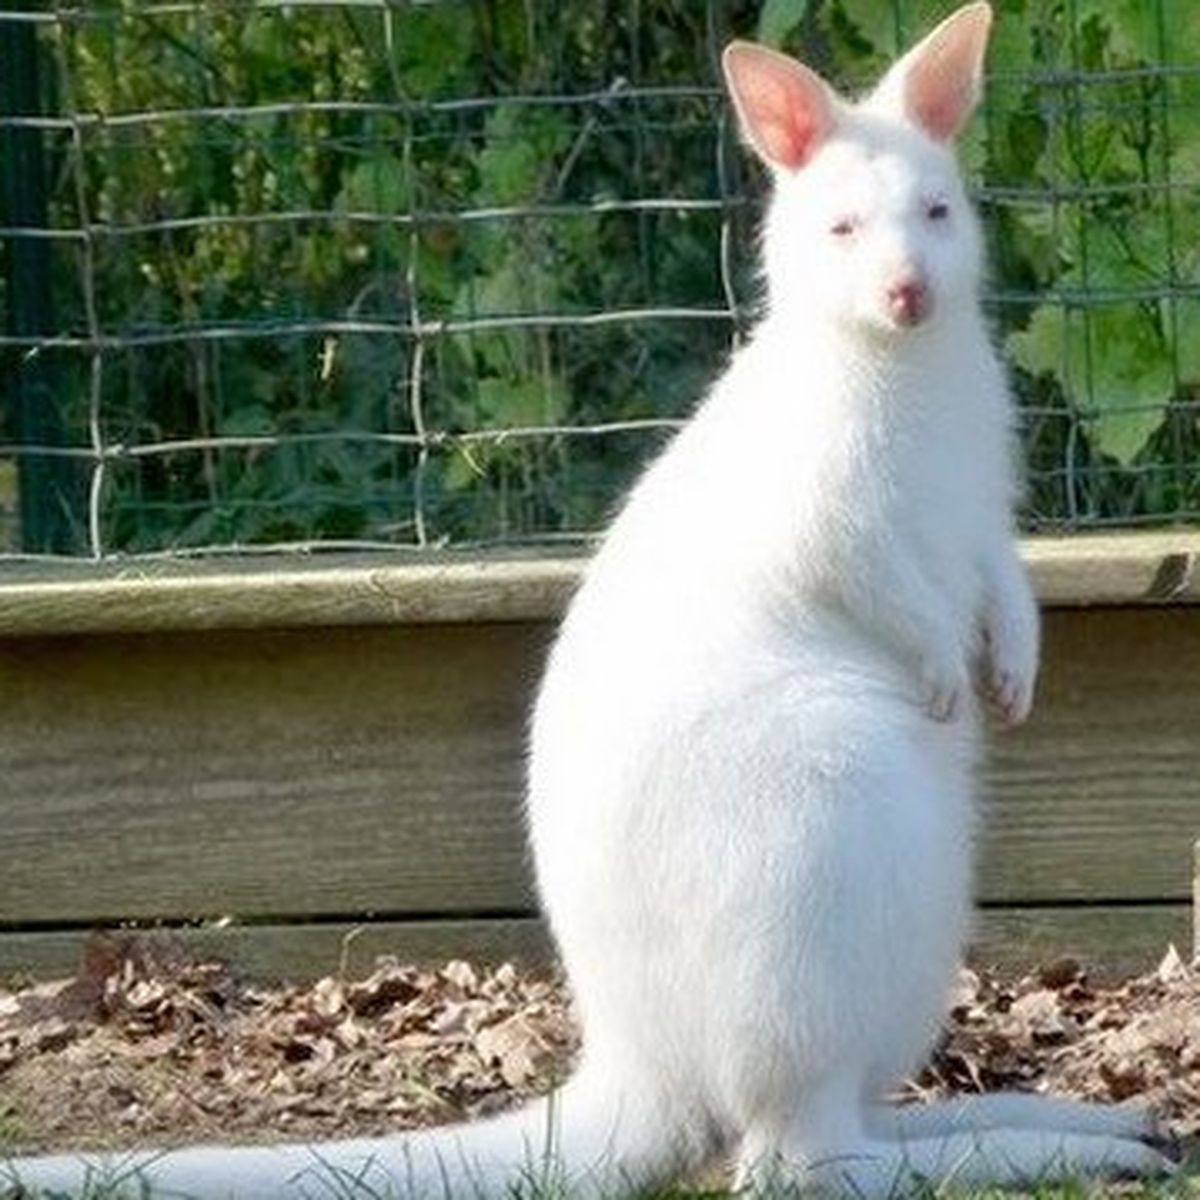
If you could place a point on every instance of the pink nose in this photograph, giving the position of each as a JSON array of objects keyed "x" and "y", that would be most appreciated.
[{"x": 908, "y": 300}]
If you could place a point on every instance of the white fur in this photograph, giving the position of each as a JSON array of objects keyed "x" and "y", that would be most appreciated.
[{"x": 751, "y": 783}]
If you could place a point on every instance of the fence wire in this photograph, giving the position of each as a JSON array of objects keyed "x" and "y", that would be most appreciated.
[{"x": 329, "y": 274}]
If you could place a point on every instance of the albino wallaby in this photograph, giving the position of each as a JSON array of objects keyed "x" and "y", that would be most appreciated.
[{"x": 751, "y": 798}]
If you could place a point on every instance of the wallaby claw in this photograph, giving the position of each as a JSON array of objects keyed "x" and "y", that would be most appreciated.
[
  {"x": 944, "y": 706},
  {"x": 1009, "y": 697},
  {"x": 945, "y": 691}
]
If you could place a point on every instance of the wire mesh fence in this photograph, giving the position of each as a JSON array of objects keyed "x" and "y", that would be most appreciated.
[{"x": 401, "y": 274}]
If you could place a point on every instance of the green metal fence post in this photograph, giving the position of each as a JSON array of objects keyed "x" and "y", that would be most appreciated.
[{"x": 50, "y": 492}]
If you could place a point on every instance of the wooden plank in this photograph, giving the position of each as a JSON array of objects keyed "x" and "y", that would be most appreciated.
[
  {"x": 280, "y": 593},
  {"x": 354, "y": 771},
  {"x": 1196, "y": 903},
  {"x": 303, "y": 952},
  {"x": 379, "y": 771},
  {"x": 1121, "y": 568},
  {"x": 1098, "y": 798},
  {"x": 1112, "y": 942},
  {"x": 272, "y": 591}
]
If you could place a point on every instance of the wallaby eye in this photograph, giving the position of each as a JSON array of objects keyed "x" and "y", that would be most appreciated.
[
  {"x": 937, "y": 210},
  {"x": 844, "y": 227}
]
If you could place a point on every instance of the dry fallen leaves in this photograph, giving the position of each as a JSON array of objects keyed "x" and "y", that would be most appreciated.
[
  {"x": 146, "y": 1044},
  {"x": 1055, "y": 1032}
]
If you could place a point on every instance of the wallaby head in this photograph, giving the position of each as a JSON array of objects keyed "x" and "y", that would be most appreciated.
[{"x": 869, "y": 223}]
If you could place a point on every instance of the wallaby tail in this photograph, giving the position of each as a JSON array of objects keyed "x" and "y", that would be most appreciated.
[{"x": 585, "y": 1140}]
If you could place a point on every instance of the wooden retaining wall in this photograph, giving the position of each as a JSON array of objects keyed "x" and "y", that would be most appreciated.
[{"x": 304, "y": 765}]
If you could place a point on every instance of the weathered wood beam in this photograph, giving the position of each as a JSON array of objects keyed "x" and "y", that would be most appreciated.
[{"x": 274, "y": 592}]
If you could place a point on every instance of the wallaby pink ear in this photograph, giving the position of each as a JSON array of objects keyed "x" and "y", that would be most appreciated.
[
  {"x": 938, "y": 82},
  {"x": 785, "y": 110}
]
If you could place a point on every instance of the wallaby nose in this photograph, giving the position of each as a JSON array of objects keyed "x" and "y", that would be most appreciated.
[{"x": 908, "y": 300}]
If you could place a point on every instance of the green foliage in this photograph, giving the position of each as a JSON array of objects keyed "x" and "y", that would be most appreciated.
[
  {"x": 320, "y": 236},
  {"x": 1083, "y": 156},
  {"x": 1117, "y": 252},
  {"x": 779, "y": 18},
  {"x": 325, "y": 238}
]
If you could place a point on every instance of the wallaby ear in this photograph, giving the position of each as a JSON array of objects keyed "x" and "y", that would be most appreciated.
[
  {"x": 938, "y": 82},
  {"x": 786, "y": 111}
]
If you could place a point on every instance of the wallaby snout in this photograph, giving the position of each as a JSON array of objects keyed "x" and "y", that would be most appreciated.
[{"x": 909, "y": 299}]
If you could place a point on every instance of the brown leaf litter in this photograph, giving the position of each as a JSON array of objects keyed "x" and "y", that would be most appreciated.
[
  {"x": 146, "y": 1045},
  {"x": 1055, "y": 1032}
]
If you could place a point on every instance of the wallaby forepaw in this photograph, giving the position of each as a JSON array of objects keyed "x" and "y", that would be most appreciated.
[
  {"x": 944, "y": 706},
  {"x": 945, "y": 692},
  {"x": 1008, "y": 670},
  {"x": 1010, "y": 697}
]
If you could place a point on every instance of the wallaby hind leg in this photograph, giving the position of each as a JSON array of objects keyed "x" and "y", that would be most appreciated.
[
  {"x": 1010, "y": 1110},
  {"x": 827, "y": 1144}
]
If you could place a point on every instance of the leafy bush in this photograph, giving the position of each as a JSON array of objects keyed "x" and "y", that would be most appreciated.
[{"x": 297, "y": 257}]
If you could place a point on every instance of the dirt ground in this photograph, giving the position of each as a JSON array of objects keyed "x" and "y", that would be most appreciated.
[{"x": 147, "y": 1046}]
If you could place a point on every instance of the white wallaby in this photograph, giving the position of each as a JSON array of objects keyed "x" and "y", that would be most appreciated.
[{"x": 751, "y": 791}]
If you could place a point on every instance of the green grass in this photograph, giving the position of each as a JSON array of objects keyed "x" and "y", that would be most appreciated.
[{"x": 1183, "y": 1186}]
